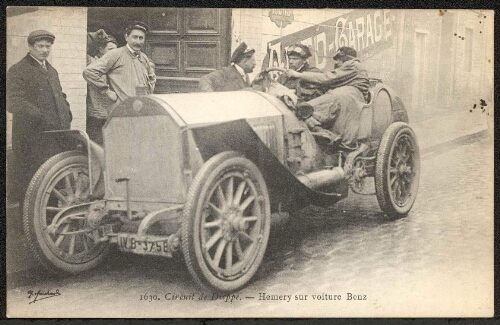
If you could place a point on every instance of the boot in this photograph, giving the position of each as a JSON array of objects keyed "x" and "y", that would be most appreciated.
[{"x": 325, "y": 137}]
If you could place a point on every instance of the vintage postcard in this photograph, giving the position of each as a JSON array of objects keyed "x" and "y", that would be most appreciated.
[{"x": 199, "y": 162}]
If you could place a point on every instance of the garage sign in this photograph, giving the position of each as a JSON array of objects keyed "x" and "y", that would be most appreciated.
[{"x": 367, "y": 31}]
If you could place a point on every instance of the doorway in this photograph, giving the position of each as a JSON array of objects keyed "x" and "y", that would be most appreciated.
[{"x": 184, "y": 43}]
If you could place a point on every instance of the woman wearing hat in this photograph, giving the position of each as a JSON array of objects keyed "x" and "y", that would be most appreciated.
[
  {"x": 297, "y": 61},
  {"x": 98, "y": 44}
]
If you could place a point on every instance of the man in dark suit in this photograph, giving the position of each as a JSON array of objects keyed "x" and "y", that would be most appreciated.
[
  {"x": 36, "y": 100},
  {"x": 234, "y": 77}
]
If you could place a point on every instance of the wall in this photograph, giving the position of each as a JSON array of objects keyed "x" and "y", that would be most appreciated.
[
  {"x": 424, "y": 63},
  {"x": 68, "y": 54}
]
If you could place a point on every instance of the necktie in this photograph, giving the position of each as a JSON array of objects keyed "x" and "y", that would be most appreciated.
[
  {"x": 43, "y": 65},
  {"x": 247, "y": 79}
]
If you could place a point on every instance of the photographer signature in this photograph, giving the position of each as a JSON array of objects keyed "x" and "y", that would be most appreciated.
[{"x": 40, "y": 295}]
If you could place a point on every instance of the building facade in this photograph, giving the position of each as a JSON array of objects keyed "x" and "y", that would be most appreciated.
[{"x": 435, "y": 59}]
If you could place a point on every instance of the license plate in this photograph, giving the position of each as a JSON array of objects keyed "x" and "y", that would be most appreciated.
[{"x": 144, "y": 246}]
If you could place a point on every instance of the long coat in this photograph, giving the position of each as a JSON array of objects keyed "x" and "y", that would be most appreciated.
[
  {"x": 36, "y": 100},
  {"x": 339, "y": 109},
  {"x": 225, "y": 79}
]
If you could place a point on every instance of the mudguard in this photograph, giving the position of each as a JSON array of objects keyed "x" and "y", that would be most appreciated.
[
  {"x": 239, "y": 136},
  {"x": 79, "y": 140}
]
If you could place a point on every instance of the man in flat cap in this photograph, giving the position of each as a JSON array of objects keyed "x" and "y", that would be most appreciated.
[
  {"x": 234, "y": 77},
  {"x": 36, "y": 100},
  {"x": 337, "y": 113},
  {"x": 297, "y": 61},
  {"x": 126, "y": 71}
]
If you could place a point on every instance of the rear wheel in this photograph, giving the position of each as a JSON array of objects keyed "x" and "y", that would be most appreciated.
[
  {"x": 226, "y": 223},
  {"x": 61, "y": 182},
  {"x": 397, "y": 170}
]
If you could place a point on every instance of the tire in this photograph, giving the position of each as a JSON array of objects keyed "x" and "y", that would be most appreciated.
[
  {"x": 61, "y": 254},
  {"x": 397, "y": 170},
  {"x": 223, "y": 244}
]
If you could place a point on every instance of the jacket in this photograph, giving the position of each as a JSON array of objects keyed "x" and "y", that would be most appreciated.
[
  {"x": 121, "y": 71},
  {"x": 36, "y": 100},
  {"x": 350, "y": 73},
  {"x": 305, "y": 91},
  {"x": 225, "y": 79}
]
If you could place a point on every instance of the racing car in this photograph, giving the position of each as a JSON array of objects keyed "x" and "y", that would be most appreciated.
[{"x": 202, "y": 175}]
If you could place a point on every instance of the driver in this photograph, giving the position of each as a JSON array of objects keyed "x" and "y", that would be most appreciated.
[
  {"x": 337, "y": 113},
  {"x": 297, "y": 61}
]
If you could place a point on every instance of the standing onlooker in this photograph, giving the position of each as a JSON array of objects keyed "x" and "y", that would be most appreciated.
[
  {"x": 127, "y": 69},
  {"x": 234, "y": 77},
  {"x": 98, "y": 103},
  {"x": 36, "y": 100}
]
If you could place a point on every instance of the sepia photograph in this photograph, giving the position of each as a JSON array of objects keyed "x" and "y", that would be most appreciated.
[{"x": 167, "y": 162}]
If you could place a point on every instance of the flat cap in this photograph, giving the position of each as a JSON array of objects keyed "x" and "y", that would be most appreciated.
[
  {"x": 40, "y": 34},
  {"x": 345, "y": 51},
  {"x": 300, "y": 50},
  {"x": 241, "y": 52},
  {"x": 137, "y": 25}
]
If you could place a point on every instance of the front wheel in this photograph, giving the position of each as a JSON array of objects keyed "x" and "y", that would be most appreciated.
[
  {"x": 61, "y": 182},
  {"x": 397, "y": 170},
  {"x": 226, "y": 223}
]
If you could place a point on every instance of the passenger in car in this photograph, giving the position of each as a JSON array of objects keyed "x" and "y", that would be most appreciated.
[
  {"x": 297, "y": 60},
  {"x": 234, "y": 77},
  {"x": 337, "y": 113}
]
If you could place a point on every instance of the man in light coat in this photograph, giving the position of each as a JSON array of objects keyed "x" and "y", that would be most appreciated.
[{"x": 126, "y": 71}]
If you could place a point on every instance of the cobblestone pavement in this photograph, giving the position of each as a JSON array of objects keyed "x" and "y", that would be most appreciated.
[{"x": 438, "y": 261}]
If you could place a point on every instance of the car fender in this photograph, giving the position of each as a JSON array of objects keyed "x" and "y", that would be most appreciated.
[{"x": 239, "y": 136}]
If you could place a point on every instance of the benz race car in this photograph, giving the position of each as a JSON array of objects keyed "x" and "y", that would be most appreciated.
[{"x": 203, "y": 174}]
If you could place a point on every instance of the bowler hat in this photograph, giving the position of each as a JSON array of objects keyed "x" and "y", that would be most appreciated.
[
  {"x": 300, "y": 50},
  {"x": 241, "y": 52},
  {"x": 40, "y": 34}
]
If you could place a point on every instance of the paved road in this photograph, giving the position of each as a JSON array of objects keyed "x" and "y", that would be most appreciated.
[{"x": 347, "y": 260}]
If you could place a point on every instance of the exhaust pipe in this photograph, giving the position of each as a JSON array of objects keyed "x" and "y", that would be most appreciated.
[{"x": 323, "y": 178}]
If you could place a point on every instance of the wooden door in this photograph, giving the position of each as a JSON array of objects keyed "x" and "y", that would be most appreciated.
[{"x": 185, "y": 44}]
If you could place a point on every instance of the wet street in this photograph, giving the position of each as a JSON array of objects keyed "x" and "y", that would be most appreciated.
[{"x": 347, "y": 260}]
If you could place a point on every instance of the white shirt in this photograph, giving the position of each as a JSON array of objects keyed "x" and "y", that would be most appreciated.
[
  {"x": 42, "y": 63},
  {"x": 132, "y": 51},
  {"x": 240, "y": 70}
]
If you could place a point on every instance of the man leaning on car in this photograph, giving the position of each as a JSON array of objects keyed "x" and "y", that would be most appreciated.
[{"x": 234, "y": 77}]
